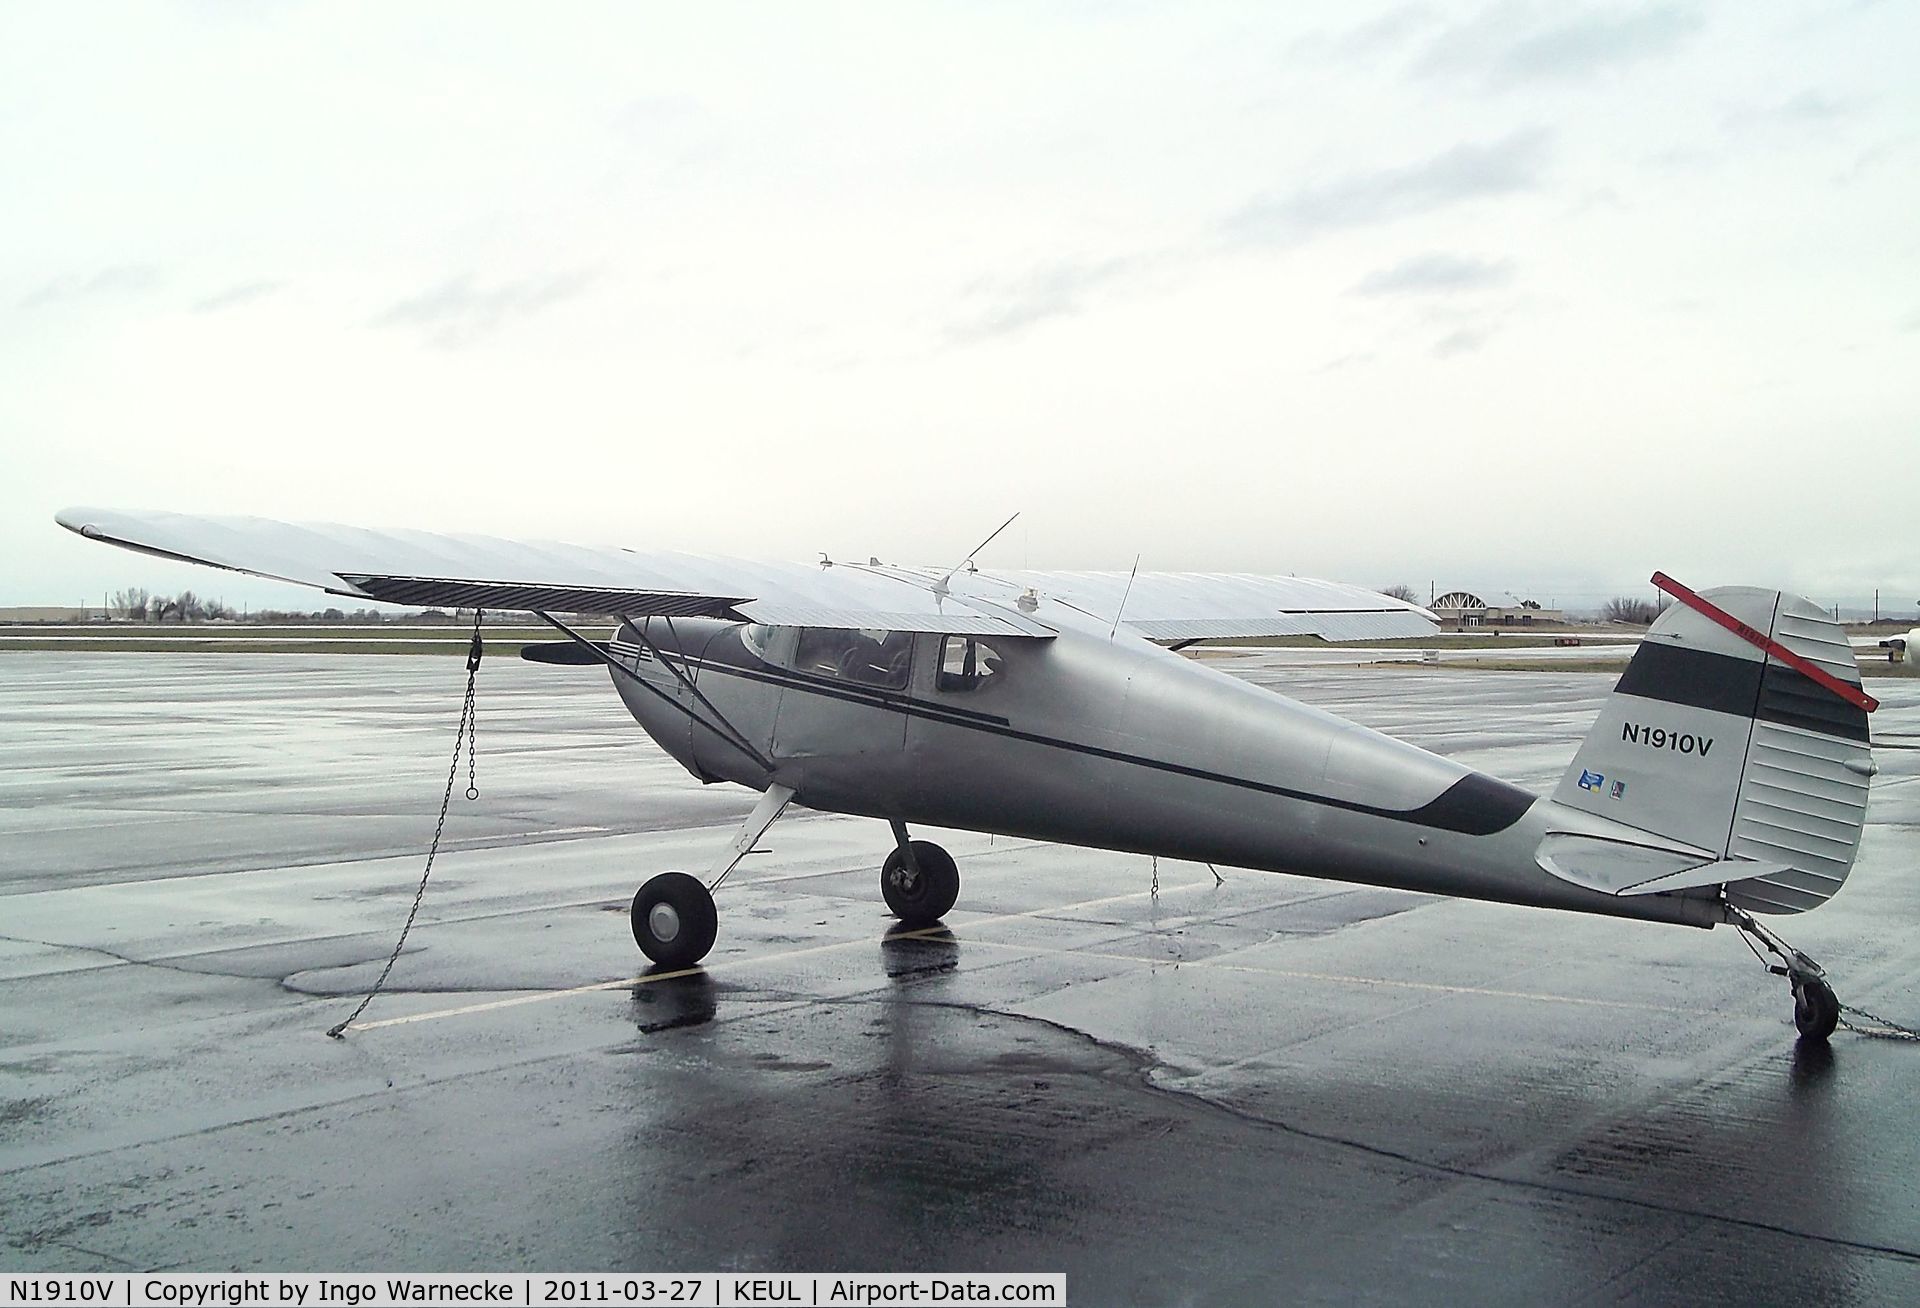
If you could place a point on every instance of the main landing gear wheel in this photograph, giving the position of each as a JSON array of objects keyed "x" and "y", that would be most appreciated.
[
  {"x": 922, "y": 894},
  {"x": 673, "y": 920},
  {"x": 1816, "y": 1011}
]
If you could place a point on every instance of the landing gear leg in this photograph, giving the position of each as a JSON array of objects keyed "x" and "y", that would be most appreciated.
[
  {"x": 1816, "y": 1010},
  {"x": 674, "y": 921},
  {"x": 919, "y": 880}
]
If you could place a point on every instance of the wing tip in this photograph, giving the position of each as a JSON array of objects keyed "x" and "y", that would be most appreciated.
[{"x": 77, "y": 519}]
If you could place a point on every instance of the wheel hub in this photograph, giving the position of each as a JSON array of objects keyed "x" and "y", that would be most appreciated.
[{"x": 663, "y": 920}]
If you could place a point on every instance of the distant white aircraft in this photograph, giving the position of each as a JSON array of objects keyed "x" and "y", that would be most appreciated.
[
  {"x": 1726, "y": 776},
  {"x": 1908, "y": 645}
]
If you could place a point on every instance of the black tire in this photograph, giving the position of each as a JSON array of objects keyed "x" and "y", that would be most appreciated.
[
  {"x": 1816, "y": 1011},
  {"x": 674, "y": 921},
  {"x": 924, "y": 899}
]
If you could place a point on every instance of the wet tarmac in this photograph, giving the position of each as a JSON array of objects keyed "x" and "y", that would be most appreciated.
[{"x": 1271, "y": 1090}]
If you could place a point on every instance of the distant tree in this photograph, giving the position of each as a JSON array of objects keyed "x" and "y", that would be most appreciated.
[
  {"x": 333, "y": 615},
  {"x": 185, "y": 606},
  {"x": 1402, "y": 592},
  {"x": 1625, "y": 608},
  {"x": 216, "y": 610},
  {"x": 131, "y": 603},
  {"x": 1529, "y": 604}
]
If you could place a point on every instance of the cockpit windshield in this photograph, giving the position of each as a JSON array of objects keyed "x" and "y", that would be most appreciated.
[{"x": 864, "y": 657}]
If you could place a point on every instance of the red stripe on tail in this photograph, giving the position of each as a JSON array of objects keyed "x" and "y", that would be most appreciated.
[{"x": 1759, "y": 640}]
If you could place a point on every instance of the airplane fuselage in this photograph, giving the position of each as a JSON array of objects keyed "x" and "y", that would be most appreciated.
[{"x": 1107, "y": 743}]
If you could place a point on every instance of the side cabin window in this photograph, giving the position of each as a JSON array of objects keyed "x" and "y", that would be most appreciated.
[
  {"x": 880, "y": 659},
  {"x": 966, "y": 663}
]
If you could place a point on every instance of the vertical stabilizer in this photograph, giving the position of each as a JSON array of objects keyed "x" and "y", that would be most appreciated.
[{"x": 1739, "y": 731}]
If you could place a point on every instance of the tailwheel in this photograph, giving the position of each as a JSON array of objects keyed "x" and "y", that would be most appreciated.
[
  {"x": 674, "y": 920},
  {"x": 1816, "y": 1010},
  {"x": 922, "y": 891}
]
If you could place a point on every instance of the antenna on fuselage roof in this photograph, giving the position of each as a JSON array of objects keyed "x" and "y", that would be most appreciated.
[
  {"x": 940, "y": 586},
  {"x": 1125, "y": 595}
]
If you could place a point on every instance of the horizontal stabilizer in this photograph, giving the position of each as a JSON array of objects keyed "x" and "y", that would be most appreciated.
[
  {"x": 566, "y": 653},
  {"x": 1617, "y": 867},
  {"x": 1720, "y": 872},
  {"x": 1612, "y": 867}
]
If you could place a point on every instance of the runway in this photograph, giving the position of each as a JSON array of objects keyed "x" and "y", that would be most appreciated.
[{"x": 1276, "y": 1089}]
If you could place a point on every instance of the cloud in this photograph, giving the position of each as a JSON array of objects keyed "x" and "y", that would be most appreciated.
[
  {"x": 669, "y": 131},
  {"x": 1512, "y": 45},
  {"x": 1373, "y": 39},
  {"x": 1808, "y": 111},
  {"x": 1351, "y": 359},
  {"x": 458, "y": 312},
  {"x": 1464, "y": 340},
  {"x": 1053, "y": 290},
  {"x": 1435, "y": 274},
  {"x": 233, "y": 296},
  {"x": 121, "y": 279},
  {"x": 1466, "y": 172},
  {"x": 1817, "y": 107},
  {"x": 1872, "y": 158}
]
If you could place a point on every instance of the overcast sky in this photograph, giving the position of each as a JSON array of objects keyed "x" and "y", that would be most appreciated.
[{"x": 1529, "y": 297}]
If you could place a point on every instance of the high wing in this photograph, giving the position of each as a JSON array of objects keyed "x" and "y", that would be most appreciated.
[
  {"x": 428, "y": 568},
  {"x": 1186, "y": 606},
  {"x": 462, "y": 571}
]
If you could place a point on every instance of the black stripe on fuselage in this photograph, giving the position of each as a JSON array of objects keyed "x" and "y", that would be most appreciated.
[
  {"x": 1475, "y": 805},
  {"x": 1745, "y": 688}
]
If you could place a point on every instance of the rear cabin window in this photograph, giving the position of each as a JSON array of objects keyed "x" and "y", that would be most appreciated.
[
  {"x": 757, "y": 637},
  {"x": 880, "y": 659},
  {"x": 966, "y": 663}
]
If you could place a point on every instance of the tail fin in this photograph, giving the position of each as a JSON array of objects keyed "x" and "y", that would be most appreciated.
[{"x": 1738, "y": 732}]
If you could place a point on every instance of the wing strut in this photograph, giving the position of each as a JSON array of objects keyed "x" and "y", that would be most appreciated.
[{"x": 720, "y": 725}]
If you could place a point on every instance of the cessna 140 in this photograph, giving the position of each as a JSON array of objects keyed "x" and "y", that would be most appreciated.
[{"x": 1726, "y": 776}]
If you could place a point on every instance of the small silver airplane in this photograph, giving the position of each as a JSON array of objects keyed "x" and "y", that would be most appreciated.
[{"x": 1726, "y": 776}]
